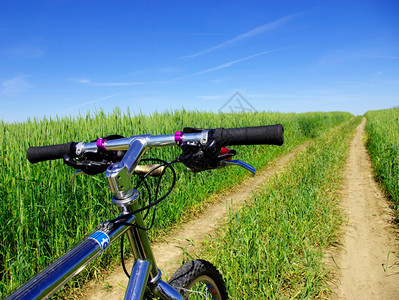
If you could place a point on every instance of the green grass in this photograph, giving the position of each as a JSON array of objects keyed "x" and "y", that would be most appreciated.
[
  {"x": 383, "y": 144},
  {"x": 273, "y": 248},
  {"x": 42, "y": 215}
]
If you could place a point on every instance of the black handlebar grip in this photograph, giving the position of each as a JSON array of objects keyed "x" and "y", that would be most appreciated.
[
  {"x": 38, "y": 154},
  {"x": 259, "y": 135}
]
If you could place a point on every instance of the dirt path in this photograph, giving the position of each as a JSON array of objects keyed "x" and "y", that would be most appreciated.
[
  {"x": 168, "y": 252},
  {"x": 369, "y": 234}
]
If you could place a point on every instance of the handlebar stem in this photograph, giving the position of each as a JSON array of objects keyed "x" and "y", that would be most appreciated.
[{"x": 119, "y": 174}]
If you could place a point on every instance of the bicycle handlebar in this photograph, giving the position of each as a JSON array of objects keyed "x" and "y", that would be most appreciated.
[{"x": 259, "y": 135}]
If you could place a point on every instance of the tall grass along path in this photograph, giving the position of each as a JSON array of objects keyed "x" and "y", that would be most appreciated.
[{"x": 383, "y": 144}]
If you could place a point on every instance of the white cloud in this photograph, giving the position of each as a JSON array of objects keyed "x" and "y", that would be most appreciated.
[
  {"x": 233, "y": 62},
  {"x": 15, "y": 86},
  {"x": 91, "y": 102},
  {"x": 25, "y": 52},
  {"x": 219, "y": 67},
  {"x": 256, "y": 31},
  {"x": 171, "y": 70},
  {"x": 124, "y": 83},
  {"x": 385, "y": 56},
  {"x": 339, "y": 56},
  {"x": 81, "y": 80},
  {"x": 214, "y": 97}
]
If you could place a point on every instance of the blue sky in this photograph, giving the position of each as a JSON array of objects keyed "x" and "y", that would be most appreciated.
[{"x": 59, "y": 58}]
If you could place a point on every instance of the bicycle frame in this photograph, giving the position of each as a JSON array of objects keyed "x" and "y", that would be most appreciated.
[
  {"x": 145, "y": 274},
  {"x": 61, "y": 271},
  {"x": 145, "y": 278}
]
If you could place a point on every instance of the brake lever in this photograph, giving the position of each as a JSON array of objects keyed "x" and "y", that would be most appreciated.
[
  {"x": 76, "y": 174},
  {"x": 237, "y": 162}
]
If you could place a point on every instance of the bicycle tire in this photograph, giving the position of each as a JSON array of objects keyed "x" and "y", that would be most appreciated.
[{"x": 199, "y": 279}]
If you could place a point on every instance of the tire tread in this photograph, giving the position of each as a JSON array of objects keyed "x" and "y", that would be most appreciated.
[{"x": 188, "y": 272}]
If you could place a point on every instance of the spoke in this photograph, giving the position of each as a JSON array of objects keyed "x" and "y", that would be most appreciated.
[{"x": 191, "y": 291}]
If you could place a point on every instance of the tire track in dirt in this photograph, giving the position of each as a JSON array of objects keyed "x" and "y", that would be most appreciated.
[
  {"x": 369, "y": 233},
  {"x": 168, "y": 251}
]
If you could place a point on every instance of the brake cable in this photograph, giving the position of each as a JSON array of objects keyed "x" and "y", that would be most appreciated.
[{"x": 120, "y": 220}]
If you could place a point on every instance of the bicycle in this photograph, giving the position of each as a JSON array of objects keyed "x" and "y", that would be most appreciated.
[{"x": 119, "y": 157}]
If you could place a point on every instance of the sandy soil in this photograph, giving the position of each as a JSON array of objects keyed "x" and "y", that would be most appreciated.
[
  {"x": 169, "y": 253},
  {"x": 366, "y": 265}
]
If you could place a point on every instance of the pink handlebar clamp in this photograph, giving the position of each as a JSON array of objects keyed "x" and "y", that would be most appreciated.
[
  {"x": 179, "y": 137},
  {"x": 101, "y": 144}
]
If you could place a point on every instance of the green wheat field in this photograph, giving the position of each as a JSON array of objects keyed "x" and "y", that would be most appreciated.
[{"x": 273, "y": 248}]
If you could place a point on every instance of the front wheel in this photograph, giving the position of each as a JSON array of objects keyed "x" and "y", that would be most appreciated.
[{"x": 199, "y": 279}]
